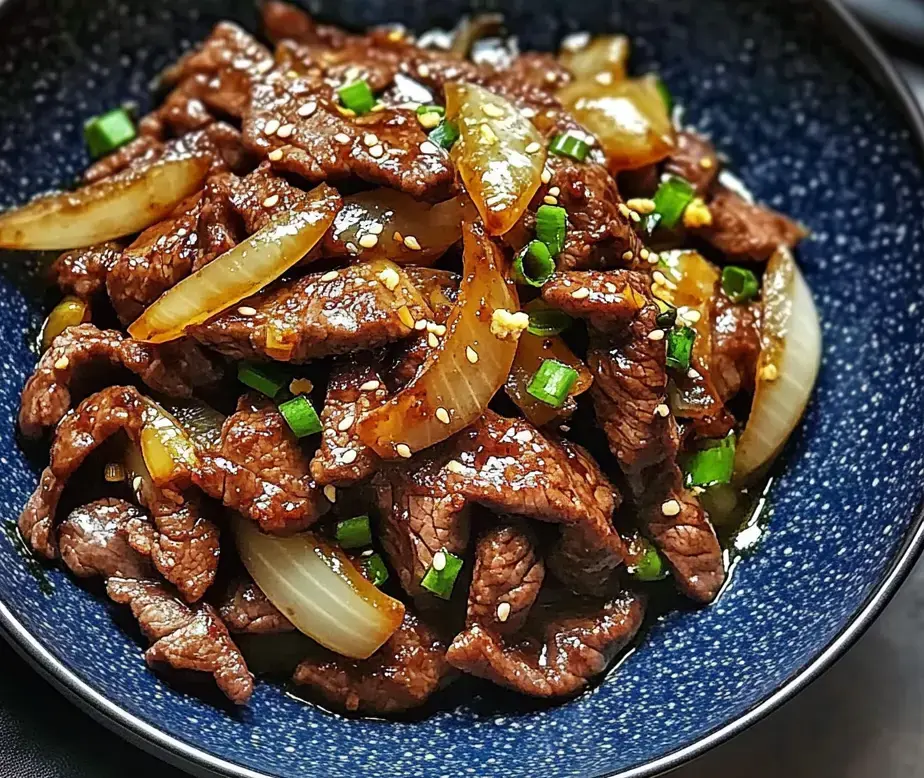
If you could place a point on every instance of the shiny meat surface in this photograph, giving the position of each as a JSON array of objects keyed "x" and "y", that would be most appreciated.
[
  {"x": 246, "y": 609},
  {"x": 82, "y": 272},
  {"x": 735, "y": 345},
  {"x": 695, "y": 160},
  {"x": 106, "y": 538}
]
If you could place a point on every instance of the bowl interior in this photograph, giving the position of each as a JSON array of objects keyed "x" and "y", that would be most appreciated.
[{"x": 806, "y": 131}]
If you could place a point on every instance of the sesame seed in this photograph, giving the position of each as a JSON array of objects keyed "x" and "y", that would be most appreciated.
[
  {"x": 604, "y": 77},
  {"x": 285, "y": 131},
  {"x": 330, "y": 492},
  {"x": 656, "y": 335},
  {"x": 471, "y": 355},
  {"x": 692, "y": 373},
  {"x": 423, "y": 71},
  {"x": 368, "y": 240},
  {"x": 611, "y": 288},
  {"x": 659, "y": 278},
  {"x": 528, "y": 112},
  {"x": 565, "y": 428},
  {"x": 549, "y": 200},
  {"x": 342, "y": 137},
  {"x": 346, "y": 422},
  {"x": 488, "y": 136},
  {"x": 546, "y": 175},
  {"x": 270, "y": 201},
  {"x": 270, "y": 127},
  {"x": 403, "y": 450},
  {"x": 370, "y": 386},
  {"x": 137, "y": 483},
  {"x": 370, "y": 139},
  {"x": 670, "y": 508},
  {"x": 454, "y": 466},
  {"x": 428, "y": 148},
  {"x": 432, "y": 340},
  {"x": 330, "y": 275},
  {"x": 623, "y": 209},
  {"x": 523, "y": 436},
  {"x": 352, "y": 248},
  {"x": 662, "y": 410},
  {"x": 348, "y": 112},
  {"x": 494, "y": 111},
  {"x": 275, "y": 155},
  {"x": 300, "y": 386},
  {"x": 421, "y": 324},
  {"x": 554, "y": 191},
  {"x": 581, "y": 294},
  {"x": 706, "y": 163},
  {"x": 635, "y": 217},
  {"x": 644, "y": 254},
  {"x": 503, "y": 612},
  {"x": 349, "y": 456},
  {"x": 307, "y": 109},
  {"x": 62, "y": 363},
  {"x": 533, "y": 147},
  {"x": 443, "y": 415},
  {"x": 439, "y": 561},
  {"x": 377, "y": 151},
  {"x": 377, "y": 108},
  {"x": 246, "y": 310},
  {"x": 412, "y": 243},
  {"x": 627, "y": 256},
  {"x": 405, "y": 316},
  {"x": 642, "y": 205}
]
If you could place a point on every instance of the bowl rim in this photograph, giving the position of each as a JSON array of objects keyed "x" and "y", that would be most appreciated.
[{"x": 873, "y": 59}]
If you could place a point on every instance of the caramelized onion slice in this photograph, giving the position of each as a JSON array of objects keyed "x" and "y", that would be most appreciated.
[
  {"x": 125, "y": 203},
  {"x": 499, "y": 155},
  {"x": 70, "y": 312},
  {"x": 168, "y": 451},
  {"x": 240, "y": 272},
  {"x": 463, "y": 372},
  {"x": 789, "y": 362},
  {"x": 318, "y": 589},
  {"x": 602, "y": 61}
]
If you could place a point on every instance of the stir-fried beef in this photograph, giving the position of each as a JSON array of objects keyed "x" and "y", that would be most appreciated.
[
  {"x": 315, "y": 316},
  {"x": 260, "y": 470},
  {"x": 82, "y": 272},
  {"x": 402, "y": 674},
  {"x": 694, "y": 158},
  {"x": 246, "y": 609},
  {"x": 506, "y": 580},
  {"x": 561, "y": 651},
  {"x": 603, "y": 298},
  {"x": 735, "y": 344},
  {"x": 262, "y": 195},
  {"x": 284, "y": 21},
  {"x": 184, "y": 637}
]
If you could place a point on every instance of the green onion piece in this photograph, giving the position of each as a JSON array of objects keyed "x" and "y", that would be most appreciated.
[
  {"x": 668, "y": 316},
  {"x": 673, "y": 196},
  {"x": 666, "y": 95},
  {"x": 552, "y": 382},
  {"x": 568, "y": 145},
  {"x": 445, "y": 134},
  {"x": 548, "y": 322},
  {"x": 713, "y": 465},
  {"x": 266, "y": 379},
  {"x": 739, "y": 283},
  {"x": 551, "y": 224},
  {"x": 357, "y": 97},
  {"x": 650, "y": 567},
  {"x": 107, "y": 132},
  {"x": 300, "y": 416},
  {"x": 374, "y": 569},
  {"x": 354, "y": 533},
  {"x": 680, "y": 347},
  {"x": 423, "y": 109},
  {"x": 440, "y": 582},
  {"x": 533, "y": 265}
]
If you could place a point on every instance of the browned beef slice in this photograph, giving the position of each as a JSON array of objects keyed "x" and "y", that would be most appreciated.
[
  {"x": 506, "y": 580},
  {"x": 246, "y": 609},
  {"x": 100, "y": 539},
  {"x": 262, "y": 195},
  {"x": 604, "y": 298},
  {"x": 384, "y": 147},
  {"x": 176, "y": 370},
  {"x": 342, "y": 459},
  {"x": 562, "y": 652},
  {"x": 184, "y": 637},
  {"x": 315, "y": 316},
  {"x": 735, "y": 344},
  {"x": 747, "y": 232},
  {"x": 144, "y": 146},
  {"x": 82, "y": 272},
  {"x": 260, "y": 469},
  {"x": 284, "y": 21},
  {"x": 694, "y": 158},
  {"x": 402, "y": 674}
]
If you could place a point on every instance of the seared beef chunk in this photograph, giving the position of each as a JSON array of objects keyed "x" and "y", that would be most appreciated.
[
  {"x": 694, "y": 158},
  {"x": 342, "y": 459},
  {"x": 82, "y": 272},
  {"x": 262, "y": 195},
  {"x": 506, "y": 580},
  {"x": 563, "y": 648},
  {"x": 315, "y": 316},
  {"x": 144, "y": 146},
  {"x": 184, "y": 637},
  {"x": 260, "y": 470},
  {"x": 603, "y": 298},
  {"x": 106, "y": 538},
  {"x": 735, "y": 345},
  {"x": 284, "y": 21},
  {"x": 402, "y": 674},
  {"x": 746, "y": 232},
  {"x": 246, "y": 609}
]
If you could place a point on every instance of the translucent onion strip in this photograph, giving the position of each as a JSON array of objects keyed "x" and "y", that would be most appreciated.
[
  {"x": 317, "y": 588},
  {"x": 240, "y": 272},
  {"x": 70, "y": 312},
  {"x": 168, "y": 451},
  {"x": 126, "y": 203}
]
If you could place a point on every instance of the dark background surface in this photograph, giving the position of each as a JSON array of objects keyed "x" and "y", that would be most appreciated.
[{"x": 863, "y": 718}]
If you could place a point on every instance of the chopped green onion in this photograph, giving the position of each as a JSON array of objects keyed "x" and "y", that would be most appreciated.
[
  {"x": 374, "y": 569},
  {"x": 267, "y": 379},
  {"x": 354, "y": 533},
  {"x": 650, "y": 567},
  {"x": 441, "y": 576},
  {"x": 680, "y": 347},
  {"x": 568, "y": 145},
  {"x": 673, "y": 196},
  {"x": 713, "y": 465},
  {"x": 357, "y": 97},
  {"x": 107, "y": 132},
  {"x": 533, "y": 265},
  {"x": 424, "y": 109},
  {"x": 300, "y": 416},
  {"x": 739, "y": 283},
  {"x": 666, "y": 95},
  {"x": 668, "y": 316},
  {"x": 548, "y": 322},
  {"x": 551, "y": 224},
  {"x": 552, "y": 382},
  {"x": 445, "y": 134}
]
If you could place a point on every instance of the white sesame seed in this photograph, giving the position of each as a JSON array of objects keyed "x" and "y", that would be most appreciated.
[
  {"x": 533, "y": 147},
  {"x": 352, "y": 248},
  {"x": 443, "y": 415},
  {"x": 471, "y": 355},
  {"x": 412, "y": 243},
  {"x": 692, "y": 373},
  {"x": 421, "y": 324},
  {"x": 137, "y": 483},
  {"x": 403, "y": 450},
  {"x": 368, "y": 240},
  {"x": 642, "y": 205},
  {"x": 423, "y": 71},
  {"x": 528, "y": 112},
  {"x": 659, "y": 278},
  {"x": 503, "y": 612},
  {"x": 554, "y": 191},
  {"x": 546, "y": 175},
  {"x": 653, "y": 258},
  {"x": 644, "y": 253},
  {"x": 656, "y": 335},
  {"x": 370, "y": 139},
  {"x": 377, "y": 151},
  {"x": 635, "y": 217},
  {"x": 432, "y": 340},
  {"x": 494, "y": 111},
  {"x": 611, "y": 288},
  {"x": 488, "y": 136},
  {"x": 693, "y": 316},
  {"x": 61, "y": 363},
  {"x": 342, "y": 137},
  {"x": 285, "y": 131},
  {"x": 275, "y": 155},
  {"x": 549, "y": 200},
  {"x": 308, "y": 108},
  {"x": 429, "y": 148},
  {"x": 330, "y": 275},
  {"x": 627, "y": 256},
  {"x": 581, "y": 293},
  {"x": 439, "y": 561},
  {"x": 246, "y": 310},
  {"x": 349, "y": 456},
  {"x": 270, "y": 127},
  {"x": 454, "y": 466},
  {"x": 663, "y": 411},
  {"x": 370, "y": 386},
  {"x": 670, "y": 508},
  {"x": 270, "y": 201},
  {"x": 523, "y": 436},
  {"x": 330, "y": 492},
  {"x": 346, "y": 422}
]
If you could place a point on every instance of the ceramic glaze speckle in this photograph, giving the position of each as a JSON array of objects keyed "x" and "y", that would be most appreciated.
[{"x": 807, "y": 133}]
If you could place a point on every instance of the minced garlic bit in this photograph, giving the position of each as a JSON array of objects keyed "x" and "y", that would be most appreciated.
[
  {"x": 407, "y": 319},
  {"x": 114, "y": 472},
  {"x": 604, "y": 77},
  {"x": 370, "y": 386},
  {"x": 346, "y": 422},
  {"x": 691, "y": 317},
  {"x": 330, "y": 492},
  {"x": 471, "y": 355},
  {"x": 390, "y": 278},
  {"x": 769, "y": 372},
  {"x": 411, "y": 242},
  {"x": 443, "y": 415},
  {"x": 439, "y": 561},
  {"x": 693, "y": 373},
  {"x": 330, "y": 275},
  {"x": 285, "y": 131},
  {"x": 270, "y": 201},
  {"x": 271, "y": 127},
  {"x": 505, "y": 324},
  {"x": 611, "y": 288},
  {"x": 246, "y": 310},
  {"x": 697, "y": 214},
  {"x": 349, "y": 456},
  {"x": 454, "y": 466},
  {"x": 375, "y": 228},
  {"x": 656, "y": 335},
  {"x": 488, "y": 137},
  {"x": 275, "y": 155},
  {"x": 368, "y": 240},
  {"x": 642, "y": 205},
  {"x": 533, "y": 147},
  {"x": 403, "y": 450},
  {"x": 301, "y": 386},
  {"x": 62, "y": 363},
  {"x": 503, "y": 612},
  {"x": 670, "y": 508},
  {"x": 582, "y": 293},
  {"x": 377, "y": 151},
  {"x": 663, "y": 411},
  {"x": 429, "y": 120}
]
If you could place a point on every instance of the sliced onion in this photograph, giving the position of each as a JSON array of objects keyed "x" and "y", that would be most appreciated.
[
  {"x": 408, "y": 231},
  {"x": 602, "y": 61},
  {"x": 318, "y": 589},
  {"x": 201, "y": 422},
  {"x": 70, "y": 312},
  {"x": 629, "y": 119},
  {"x": 240, "y": 272},
  {"x": 789, "y": 362},
  {"x": 168, "y": 451},
  {"x": 463, "y": 372},
  {"x": 125, "y": 203},
  {"x": 491, "y": 155}
]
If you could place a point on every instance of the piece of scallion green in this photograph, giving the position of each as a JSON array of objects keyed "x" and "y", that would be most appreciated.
[
  {"x": 109, "y": 131},
  {"x": 357, "y": 97},
  {"x": 569, "y": 145},
  {"x": 441, "y": 576},
  {"x": 547, "y": 322},
  {"x": 300, "y": 416},
  {"x": 680, "y": 347},
  {"x": 650, "y": 566},
  {"x": 375, "y": 569},
  {"x": 739, "y": 283},
  {"x": 424, "y": 109},
  {"x": 668, "y": 316},
  {"x": 266, "y": 379},
  {"x": 551, "y": 226},
  {"x": 552, "y": 382},
  {"x": 445, "y": 134},
  {"x": 533, "y": 264},
  {"x": 354, "y": 533},
  {"x": 713, "y": 465},
  {"x": 673, "y": 196}
]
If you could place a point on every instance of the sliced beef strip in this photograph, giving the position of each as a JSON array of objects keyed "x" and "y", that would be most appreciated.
[
  {"x": 695, "y": 159},
  {"x": 401, "y": 675},
  {"x": 315, "y": 316},
  {"x": 355, "y": 387},
  {"x": 259, "y": 469},
  {"x": 560, "y": 654},
  {"x": 604, "y": 298},
  {"x": 246, "y": 609},
  {"x": 747, "y": 232},
  {"x": 262, "y": 195},
  {"x": 184, "y": 637},
  {"x": 173, "y": 369},
  {"x": 735, "y": 344},
  {"x": 82, "y": 272},
  {"x": 142, "y": 147},
  {"x": 507, "y": 576},
  {"x": 284, "y": 21}
]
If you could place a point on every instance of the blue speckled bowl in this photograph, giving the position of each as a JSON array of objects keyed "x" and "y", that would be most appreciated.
[{"x": 811, "y": 133}]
